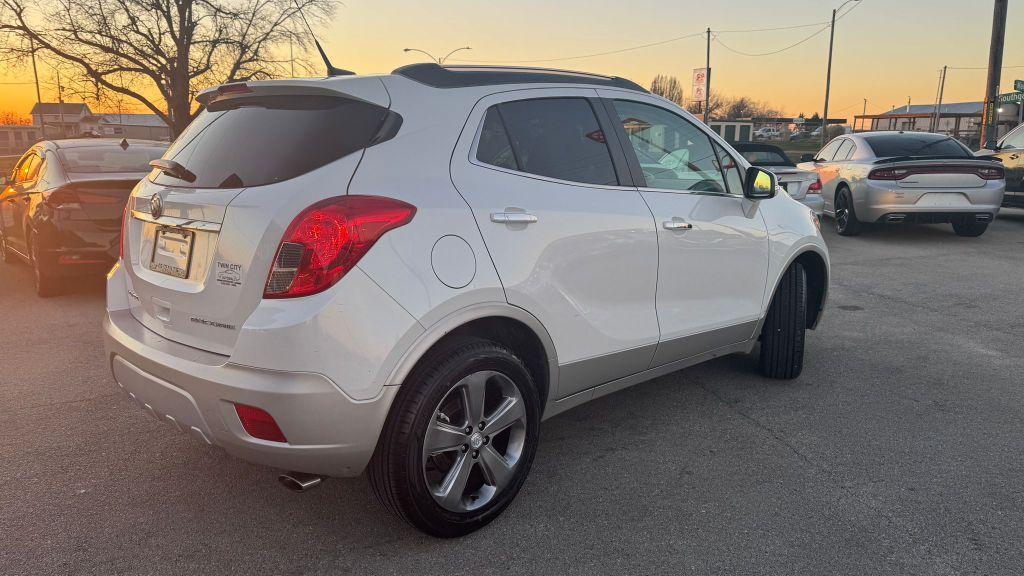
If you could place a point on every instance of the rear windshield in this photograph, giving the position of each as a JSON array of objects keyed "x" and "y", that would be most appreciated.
[
  {"x": 266, "y": 139},
  {"x": 766, "y": 157},
  {"x": 918, "y": 144},
  {"x": 108, "y": 159}
]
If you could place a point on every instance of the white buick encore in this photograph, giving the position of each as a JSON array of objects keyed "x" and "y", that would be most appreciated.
[{"x": 406, "y": 273}]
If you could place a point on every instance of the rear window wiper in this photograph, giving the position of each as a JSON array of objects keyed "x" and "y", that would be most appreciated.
[{"x": 173, "y": 169}]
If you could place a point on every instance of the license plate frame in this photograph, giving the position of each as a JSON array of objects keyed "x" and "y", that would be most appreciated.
[{"x": 172, "y": 251}]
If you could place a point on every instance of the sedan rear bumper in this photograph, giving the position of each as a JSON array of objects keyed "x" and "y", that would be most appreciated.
[{"x": 886, "y": 202}]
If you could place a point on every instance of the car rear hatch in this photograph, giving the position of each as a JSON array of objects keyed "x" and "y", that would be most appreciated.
[
  {"x": 203, "y": 228},
  {"x": 795, "y": 181}
]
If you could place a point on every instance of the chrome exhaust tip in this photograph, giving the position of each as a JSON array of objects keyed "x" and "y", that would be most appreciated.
[
  {"x": 896, "y": 217},
  {"x": 299, "y": 481},
  {"x": 983, "y": 217}
]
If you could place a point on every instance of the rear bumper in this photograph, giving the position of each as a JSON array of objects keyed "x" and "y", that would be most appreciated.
[
  {"x": 196, "y": 392},
  {"x": 815, "y": 202},
  {"x": 879, "y": 202}
]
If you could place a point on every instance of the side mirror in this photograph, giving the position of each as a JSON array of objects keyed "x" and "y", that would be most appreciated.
[
  {"x": 759, "y": 184},
  {"x": 4, "y": 181},
  {"x": 807, "y": 157}
]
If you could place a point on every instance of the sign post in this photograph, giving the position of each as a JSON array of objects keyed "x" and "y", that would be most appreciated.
[{"x": 700, "y": 86}]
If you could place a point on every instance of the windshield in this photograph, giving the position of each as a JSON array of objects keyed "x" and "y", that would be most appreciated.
[
  {"x": 766, "y": 157},
  {"x": 108, "y": 159},
  {"x": 917, "y": 144},
  {"x": 265, "y": 139}
]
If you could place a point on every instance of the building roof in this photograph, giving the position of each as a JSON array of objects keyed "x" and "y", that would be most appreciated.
[
  {"x": 966, "y": 108},
  {"x": 128, "y": 120},
  {"x": 69, "y": 108}
]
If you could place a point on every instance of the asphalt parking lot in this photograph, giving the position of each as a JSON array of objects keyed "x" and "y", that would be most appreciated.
[{"x": 900, "y": 450}]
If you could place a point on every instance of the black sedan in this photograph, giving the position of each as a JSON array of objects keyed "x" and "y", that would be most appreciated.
[{"x": 61, "y": 208}]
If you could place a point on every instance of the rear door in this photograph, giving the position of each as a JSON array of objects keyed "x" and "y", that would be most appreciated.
[
  {"x": 713, "y": 243},
  {"x": 1011, "y": 152},
  {"x": 827, "y": 171},
  {"x": 571, "y": 239},
  {"x": 200, "y": 246}
]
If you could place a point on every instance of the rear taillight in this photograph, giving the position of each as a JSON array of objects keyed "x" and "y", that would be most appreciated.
[
  {"x": 124, "y": 225},
  {"x": 815, "y": 187},
  {"x": 327, "y": 239},
  {"x": 984, "y": 172},
  {"x": 259, "y": 424}
]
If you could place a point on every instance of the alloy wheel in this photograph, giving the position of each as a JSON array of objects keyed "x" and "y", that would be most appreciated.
[
  {"x": 474, "y": 441},
  {"x": 842, "y": 213}
]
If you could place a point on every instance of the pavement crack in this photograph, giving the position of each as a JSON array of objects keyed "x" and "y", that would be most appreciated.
[{"x": 765, "y": 428}]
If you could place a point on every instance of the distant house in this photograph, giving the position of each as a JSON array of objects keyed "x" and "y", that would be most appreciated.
[
  {"x": 961, "y": 120},
  {"x": 144, "y": 126},
  {"x": 61, "y": 119}
]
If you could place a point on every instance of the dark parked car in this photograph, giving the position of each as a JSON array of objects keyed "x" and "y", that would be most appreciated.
[
  {"x": 1010, "y": 152},
  {"x": 61, "y": 207}
]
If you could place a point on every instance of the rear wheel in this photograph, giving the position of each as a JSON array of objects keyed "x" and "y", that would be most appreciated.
[
  {"x": 47, "y": 284},
  {"x": 847, "y": 223},
  {"x": 459, "y": 440},
  {"x": 782, "y": 336},
  {"x": 967, "y": 227}
]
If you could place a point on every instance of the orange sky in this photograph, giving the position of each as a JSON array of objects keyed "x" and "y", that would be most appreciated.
[{"x": 885, "y": 50}]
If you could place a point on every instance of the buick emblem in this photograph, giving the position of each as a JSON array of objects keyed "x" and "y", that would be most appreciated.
[{"x": 156, "y": 206}]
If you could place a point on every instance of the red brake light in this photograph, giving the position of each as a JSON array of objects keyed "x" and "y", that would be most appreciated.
[
  {"x": 984, "y": 172},
  {"x": 327, "y": 239},
  {"x": 259, "y": 424},
  {"x": 888, "y": 174},
  {"x": 234, "y": 88},
  {"x": 815, "y": 186}
]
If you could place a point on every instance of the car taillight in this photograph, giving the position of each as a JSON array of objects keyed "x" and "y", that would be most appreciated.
[
  {"x": 888, "y": 174},
  {"x": 124, "y": 225},
  {"x": 327, "y": 239},
  {"x": 815, "y": 187},
  {"x": 991, "y": 173},
  {"x": 259, "y": 424}
]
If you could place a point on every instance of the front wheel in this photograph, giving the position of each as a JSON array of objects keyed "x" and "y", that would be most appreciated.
[
  {"x": 460, "y": 439},
  {"x": 971, "y": 228},
  {"x": 782, "y": 335}
]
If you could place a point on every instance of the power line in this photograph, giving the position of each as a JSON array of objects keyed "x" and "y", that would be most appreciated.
[
  {"x": 793, "y": 45},
  {"x": 643, "y": 46}
]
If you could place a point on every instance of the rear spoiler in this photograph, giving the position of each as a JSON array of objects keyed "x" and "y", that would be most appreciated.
[
  {"x": 897, "y": 159},
  {"x": 240, "y": 90}
]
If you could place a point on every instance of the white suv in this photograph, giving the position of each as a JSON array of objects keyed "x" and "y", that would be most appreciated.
[{"x": 406, "y": 273}]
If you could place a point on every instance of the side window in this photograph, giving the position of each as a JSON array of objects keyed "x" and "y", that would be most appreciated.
[
  {"x": 731, "y": 168},
  {"x": 494, "y": 147},
  {"x": 554, "y": 137},
  {"x": 27, "y": 169},
  {"x": 1014, "y": 140},
  {"x": 673, "y": 153},
  {"x": 826, "y": 153},
  {"x": 845, "y": 150}
]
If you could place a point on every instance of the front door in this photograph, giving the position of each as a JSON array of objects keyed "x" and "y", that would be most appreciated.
[
  {"x": 15, "y": 199},
  {"x": 572, "y": 240},
  {"x": 713, "y": 243},
  {"x": 1011, "y": 152}
]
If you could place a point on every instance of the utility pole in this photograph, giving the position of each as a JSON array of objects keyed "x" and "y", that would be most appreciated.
[
  {"x": 60, "y": 105},
  {"x": 828, "y": 73},
  {"x": 707, "y": 84},
  {"x": 938, "y": 104},
  {"x": 39, "y": 95},
  {"x": 863, "y": 113},
  {"x": 990, "y": 127}
]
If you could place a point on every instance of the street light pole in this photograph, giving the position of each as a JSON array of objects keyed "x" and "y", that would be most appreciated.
[{"x": 828, "y": 73}]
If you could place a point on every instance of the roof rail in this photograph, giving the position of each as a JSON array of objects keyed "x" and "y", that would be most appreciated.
[{"x": 462, "y": 76}]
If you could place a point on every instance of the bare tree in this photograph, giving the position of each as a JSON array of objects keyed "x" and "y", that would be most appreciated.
[
  {"x": 715, "y": 105},
  {"x": 668, "y": 87},
  {"x": 11, "y": 118},
  {"x": 161, "y": 53}
]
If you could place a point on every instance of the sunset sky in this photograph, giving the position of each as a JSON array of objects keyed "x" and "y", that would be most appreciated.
[{"x": 886, "y": 50}]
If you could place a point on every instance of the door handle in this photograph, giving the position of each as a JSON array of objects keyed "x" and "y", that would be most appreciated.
[
  {"x": 513, "y": 218},
  {"x": 676, "y": 225}
]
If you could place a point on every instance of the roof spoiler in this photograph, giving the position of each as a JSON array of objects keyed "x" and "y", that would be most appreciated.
[
  {"x": 239, "y": 90},
  {"x": 893, "y": 159}
]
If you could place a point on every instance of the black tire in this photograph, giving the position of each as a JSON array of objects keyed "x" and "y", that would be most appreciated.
[
  {"x": 47, "y": 284},
  {"x": 847, "y": 223},
  {"x": 970, "y": 228},
  {"x": 5, "y": 253},
  {"x": 782, "y": 336},
  {"x": 396, "y": 472}
]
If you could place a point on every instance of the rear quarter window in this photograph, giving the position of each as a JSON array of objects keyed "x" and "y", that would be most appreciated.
[{"x": 266, "y": 139}]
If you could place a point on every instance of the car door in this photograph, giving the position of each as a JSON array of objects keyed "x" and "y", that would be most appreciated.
[
  {"x": 827, "y": 172},
  {"x": 16, "y": 199},
  {"x": 1011, "y": 153},
  {"x": 712, "y": 242},
  {"x": 571, "y": 238}
]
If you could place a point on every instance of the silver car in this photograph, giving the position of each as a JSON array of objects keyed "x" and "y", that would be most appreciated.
[
  {"x": 894, "y": 177},
  {"x": 804, "y": 186}
]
